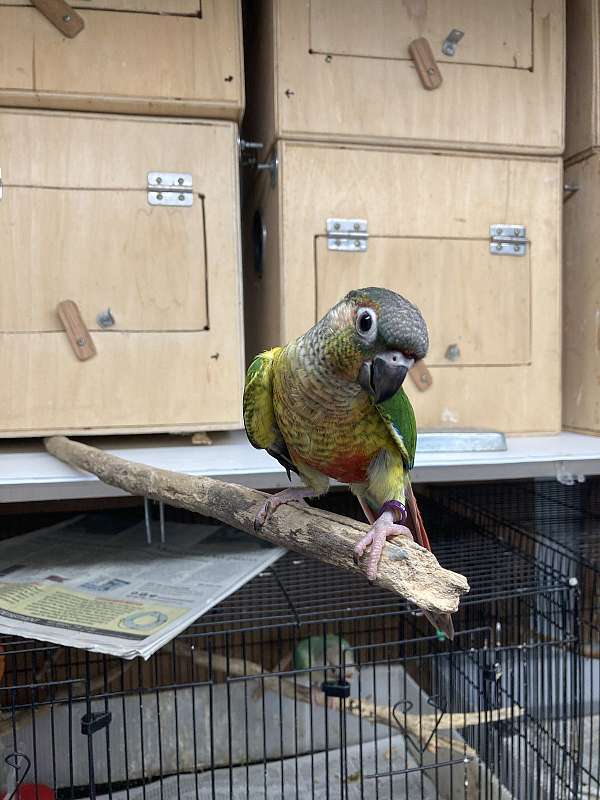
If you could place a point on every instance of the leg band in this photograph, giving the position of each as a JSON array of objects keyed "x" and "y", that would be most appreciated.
[{"x": 396, "y": 507}]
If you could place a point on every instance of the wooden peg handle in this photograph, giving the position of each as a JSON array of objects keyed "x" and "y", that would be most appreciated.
[
  {"x": 421, "y": 377},
  {"x": 422, "y": 55},
  {"x": 77, "y": 333},
  {"x": 61, "y": 15}
]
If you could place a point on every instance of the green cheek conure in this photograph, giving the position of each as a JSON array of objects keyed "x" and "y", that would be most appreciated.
[{"x": 331, "y": 405}]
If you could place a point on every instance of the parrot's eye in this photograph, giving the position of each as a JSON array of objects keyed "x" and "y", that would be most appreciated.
[{"x": 366, "y": 322}]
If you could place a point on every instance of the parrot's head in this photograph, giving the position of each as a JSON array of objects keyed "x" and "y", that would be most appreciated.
[{"x": 376, "y": 335}]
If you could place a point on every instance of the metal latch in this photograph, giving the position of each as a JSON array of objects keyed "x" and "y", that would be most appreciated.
[
  {"x": 508, "y": 240},
  {"x": 350, "y": 235},
  {"x": 170, "y": 189},
  {"x": 450, "y": 42}
]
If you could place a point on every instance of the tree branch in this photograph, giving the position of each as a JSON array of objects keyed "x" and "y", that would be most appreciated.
[{"x": 409, "y": 570}]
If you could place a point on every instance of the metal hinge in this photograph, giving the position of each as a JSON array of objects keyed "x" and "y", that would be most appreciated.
[
  {"x": 508, "y": 240},
  {"x": 350, "y": 235},
  {"x": 170, "y": 189}
]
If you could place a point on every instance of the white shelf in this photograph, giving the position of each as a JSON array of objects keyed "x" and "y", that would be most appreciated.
[{"x": 28, "y": 473}]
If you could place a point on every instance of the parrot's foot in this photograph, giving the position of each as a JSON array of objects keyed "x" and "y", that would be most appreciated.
[
  {"x": 295, "y": 494},
  {"x": 382, "y": 529}
]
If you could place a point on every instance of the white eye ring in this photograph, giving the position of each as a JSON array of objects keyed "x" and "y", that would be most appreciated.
[{"x": 366, "y": 323}]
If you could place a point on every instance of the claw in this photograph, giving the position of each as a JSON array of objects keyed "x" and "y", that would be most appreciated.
[{"x": 294, "y": 494}]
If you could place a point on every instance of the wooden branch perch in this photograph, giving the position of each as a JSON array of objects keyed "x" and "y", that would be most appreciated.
[{"x": 409, "y": 570}]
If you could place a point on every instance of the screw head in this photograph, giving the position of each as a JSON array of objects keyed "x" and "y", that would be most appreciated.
[
  {"x": 499, "y": 231},
  {"x": 356, "y": 243},
  {"x": 80, "y": 342},
  {"x": 181, "y": 198},
  {"x": 180, "y": 181},
  {"x": 356, "y": 226},
  {"x": 518, "y": 232},
  {"x": 338, "y": 243},
  {"x": 336, "y": 226},
  {"x": 67, "y": 18},
  {"x": 328, "y": 59},
  {"x": 159, "y": 179},
  {"x": 516, "y": 248},
  {"x": 430, "y": 70},
  {"x": 498, "y": 246},
  {"x": 159, "y": 196}
]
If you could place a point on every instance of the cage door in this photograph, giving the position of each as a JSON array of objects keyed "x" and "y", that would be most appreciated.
[
  {"x": 104, "y": 249},
  {"x": 476, "y": 305},
  {"x": 495, "y": 34}
]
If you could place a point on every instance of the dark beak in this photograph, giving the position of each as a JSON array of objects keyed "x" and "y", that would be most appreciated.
[{"x": 384, "y": 375}]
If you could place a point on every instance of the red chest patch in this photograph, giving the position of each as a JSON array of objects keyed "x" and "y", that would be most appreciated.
[{"x": 346, "y": 468}]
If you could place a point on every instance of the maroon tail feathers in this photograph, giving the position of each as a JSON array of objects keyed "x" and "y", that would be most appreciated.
[
  {"x": 419, "y": 531},
  {"x": 441, "y": 622}
]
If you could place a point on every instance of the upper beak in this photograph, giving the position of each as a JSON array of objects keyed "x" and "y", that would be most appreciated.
[{"x": 384, "y": 375}]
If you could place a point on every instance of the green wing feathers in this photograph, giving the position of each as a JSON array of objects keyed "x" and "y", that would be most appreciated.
[
  {"x": 259, "y": 417},
  {"x": 398, "y": 414}
]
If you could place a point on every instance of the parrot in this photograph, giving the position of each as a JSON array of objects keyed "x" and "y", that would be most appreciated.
[
  {"x": 330, "y": 404},
  {"x": 309, "y": 653}
]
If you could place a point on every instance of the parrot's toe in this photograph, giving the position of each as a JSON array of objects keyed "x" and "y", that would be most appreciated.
[
  {"x": 291, "y": 495},
  {"x": 263, "y": 515},
  {"x": 375, "y": 539}
]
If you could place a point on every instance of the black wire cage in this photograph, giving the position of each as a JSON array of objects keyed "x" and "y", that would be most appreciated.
[
  {"x": 309, "y": 683},
  {"x": 561, "y": 519}
]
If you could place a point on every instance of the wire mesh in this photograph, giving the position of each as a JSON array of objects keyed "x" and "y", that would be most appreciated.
[
  {"x": 558, "y": 523},
  {"x": 310, "y": 683}
]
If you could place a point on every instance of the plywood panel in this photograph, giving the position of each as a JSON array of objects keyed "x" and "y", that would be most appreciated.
[
  {"x": 139, "y": 380},
  {"x": 581, "y": 362},
  {"x": 102, "y": 249},
  {"x": 135, "y": 382},
  {"x": 380, "y": 100},
  {"x": 496, "y": 34},
  {"x": 127, "y": 61},
  {"x": 466, "y": 294},
  {"x": 83, "y": 150},
  {"x": 432, "y": 195},
  {"x": 16, "y": 50}
]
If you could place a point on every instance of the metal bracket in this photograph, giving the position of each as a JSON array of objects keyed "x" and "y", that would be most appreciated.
[
  {"x": 247, "y": 152},
  {"x": 404, "y": 706},
  {"x": 450, "y": 42},
  {"x": 452, "y": 352},
  {"x": 170, "y": 189},
  {"x": 105, "y": 319},
  {"x": 570, "y": 189},
  {"x": 349, "y": 235},
  {"x": 272, "y": 165},
  {"x": 508, "y": 240},
  {"x": 95, "y": 721},
  {"x": 566, "y": 477},
  {"x": 336, "y": 688}
]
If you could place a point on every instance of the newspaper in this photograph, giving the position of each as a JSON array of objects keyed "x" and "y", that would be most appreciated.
[{"x": 94, "y": 582}]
